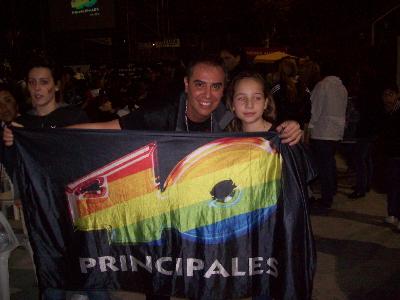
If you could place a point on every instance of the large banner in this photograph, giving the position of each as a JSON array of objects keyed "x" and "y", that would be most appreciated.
[{"x": 202, "y": 216}]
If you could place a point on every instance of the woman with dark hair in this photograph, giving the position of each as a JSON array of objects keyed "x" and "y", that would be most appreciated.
[
  {"x": 291, "y": 97},
  {"x": 46, "y": 112}
]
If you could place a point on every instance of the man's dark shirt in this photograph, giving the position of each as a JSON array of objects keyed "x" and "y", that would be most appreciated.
[
  {"x": 61, "y": 117},
  {"x": 172, "y": 118}
]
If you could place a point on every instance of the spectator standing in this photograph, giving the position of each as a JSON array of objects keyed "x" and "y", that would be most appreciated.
[
  {"x": 390, "y": 141},
  {"x": 234, "y": 61},
  {"x": 309, "y": 73},
  {"x": 328, "y": 116},
  {"x": 291, "y": 97},
  {"x": 101, "y": 109},
  {"x": 71, "y": 89},
  {"x": 48, "y": 113},
  {"x": 8, "y": 113},
  {"x": 8, "y": 105},
  {"x": 370, "y": 115}
]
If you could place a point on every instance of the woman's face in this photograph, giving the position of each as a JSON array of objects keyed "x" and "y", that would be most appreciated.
[
  {"x": 8, "y": 106},
  {"x": 42, "y": 87},
  {"x": 249, "y": 101}
]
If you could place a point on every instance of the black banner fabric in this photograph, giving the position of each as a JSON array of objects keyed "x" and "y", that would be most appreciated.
[{"x": 201, "y": 216}]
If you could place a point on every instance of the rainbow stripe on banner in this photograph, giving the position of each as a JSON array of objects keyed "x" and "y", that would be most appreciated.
[{"x": 216, "y": 192}]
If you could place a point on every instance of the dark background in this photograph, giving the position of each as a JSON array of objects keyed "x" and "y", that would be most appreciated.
[{"x": 337, "y": 28}]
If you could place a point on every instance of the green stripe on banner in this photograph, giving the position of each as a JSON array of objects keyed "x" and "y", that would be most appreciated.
[{"x": 199, "y": 215}]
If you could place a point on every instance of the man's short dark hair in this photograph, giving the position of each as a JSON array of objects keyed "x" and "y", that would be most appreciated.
[{"x": 211, "y": 60}]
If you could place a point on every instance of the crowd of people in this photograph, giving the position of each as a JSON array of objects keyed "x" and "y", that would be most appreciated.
[{"x": 302, "y": 100}]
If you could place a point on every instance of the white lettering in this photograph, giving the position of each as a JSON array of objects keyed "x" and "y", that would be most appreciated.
[
  {"x": 135, "y": 263},
  {"x": 235, "y": 267},
  {"x": 178, "y": 266},
  {"x": 175, "y": 266},
  {"x": 273, "y": 264},
  {"x": 159, "y": 267},
  {"x": 255, "y": 265},
  {"x": 107, "y": 261},
  {"x": 122, "y": 260},
  {"x": 86, "y": 263},
  {"x": 193, "y": 264},
  {"x": 216, "y": 269}
]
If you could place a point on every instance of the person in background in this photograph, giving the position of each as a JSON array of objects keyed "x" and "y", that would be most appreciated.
[
  {"x": 101, "y": 108},
  {"x": 8, "y": 105},
  {"x": 309, "y": 73},
  {"x": 234, "y": 60},
  {"x": 71, "y": 89},
  {"x": 390, "y": 142},
  {"x": 328, "y": 117},
  {"x": 367, "y": 103},
  {"x": 8, "y": 113},
  {"x": 291, "y": 97}
]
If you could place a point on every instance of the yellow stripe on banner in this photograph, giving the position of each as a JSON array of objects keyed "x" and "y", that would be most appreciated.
[
  {"x": 193, "y": 190},
  {"x": 216, "y": 158}
]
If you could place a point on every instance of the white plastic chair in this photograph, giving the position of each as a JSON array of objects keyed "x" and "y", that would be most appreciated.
[
  {"x": 7, "y": 197},
  {"x": 9, "y": 243}
]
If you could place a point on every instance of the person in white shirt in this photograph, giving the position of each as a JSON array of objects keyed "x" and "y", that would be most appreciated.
[{"x": 328, "y": 114}]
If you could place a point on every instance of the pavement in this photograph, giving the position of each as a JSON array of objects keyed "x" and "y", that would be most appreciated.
[{"x": 358, "y": 254}]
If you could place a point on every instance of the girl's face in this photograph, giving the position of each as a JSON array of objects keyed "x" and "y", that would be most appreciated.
[
  {"x": 249, "y": 101},
  {"x": 42, "y": 87}
]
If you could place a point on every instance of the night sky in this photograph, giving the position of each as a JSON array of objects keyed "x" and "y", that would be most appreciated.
[{"x": 301, "y": 25}]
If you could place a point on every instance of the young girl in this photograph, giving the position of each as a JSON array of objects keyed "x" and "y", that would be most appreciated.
[{"x": 252, "y": 104}]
